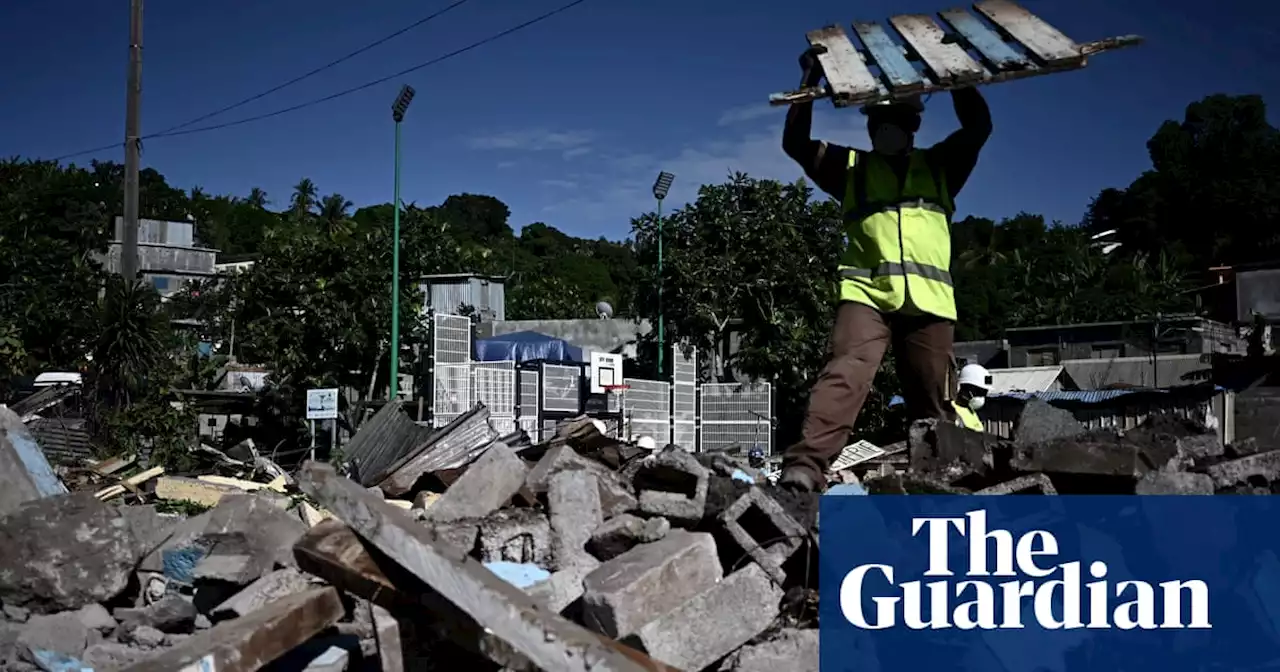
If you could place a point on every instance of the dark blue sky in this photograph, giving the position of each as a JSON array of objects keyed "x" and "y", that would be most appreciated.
[{"x": 569, "y": 120}]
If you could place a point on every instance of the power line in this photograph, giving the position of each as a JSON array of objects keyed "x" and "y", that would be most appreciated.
[
  {"x": 376, "y": 43},
  {"x": 346, "y": 92}
]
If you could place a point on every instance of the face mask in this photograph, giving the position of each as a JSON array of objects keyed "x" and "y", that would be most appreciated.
[
  {"x": 890, "y": 139},
  {"x": 976, "y": 403}
]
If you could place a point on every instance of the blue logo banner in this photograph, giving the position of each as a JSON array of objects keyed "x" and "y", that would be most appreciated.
[{"x": 1049, "y": 584}]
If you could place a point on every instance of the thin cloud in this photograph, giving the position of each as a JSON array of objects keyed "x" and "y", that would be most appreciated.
[
  {"x": 560, "y": 184},
  {"x": 751, "y": 112},
  {"x": 533, "y": 140}
]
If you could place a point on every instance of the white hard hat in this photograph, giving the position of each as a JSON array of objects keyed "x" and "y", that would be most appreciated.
[
  {"x": 977, "y": 376},
  {"x": 912, "y": 103},
  {"x": 647, "y": 443}
]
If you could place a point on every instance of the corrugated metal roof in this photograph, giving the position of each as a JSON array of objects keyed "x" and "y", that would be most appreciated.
[
  {"x": 1166, "y": 370},
  {"x": 1090, "y": 396},
  {"x": 1025, "y": 379}
]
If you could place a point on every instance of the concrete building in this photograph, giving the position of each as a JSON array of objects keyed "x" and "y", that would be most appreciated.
[
  {"x": 1170, "y": 335},
  {"x": 167, "y": 254}
]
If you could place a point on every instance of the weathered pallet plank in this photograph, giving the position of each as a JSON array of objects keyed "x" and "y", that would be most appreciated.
[
  {"x": 1040, "y": 38},
  {"x": 998, "y": 54},
  {"x": 947, "y": 61},
  {"x": 847, "y": 76},
  {"x": 902, "y": 77}
]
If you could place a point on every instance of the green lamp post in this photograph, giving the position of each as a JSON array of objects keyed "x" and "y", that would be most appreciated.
[
  {"x": 660, "y": 188},
  {"x": 398, "y": 109}
]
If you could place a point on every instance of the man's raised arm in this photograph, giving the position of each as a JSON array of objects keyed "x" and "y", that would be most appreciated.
[
  {"x": 959, "y": 152},
  {"x": 824, "y": 163}
]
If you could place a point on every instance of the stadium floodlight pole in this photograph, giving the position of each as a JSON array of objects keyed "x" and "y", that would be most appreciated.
[
  {"x": 398, "y": 109},
  {"x": 660, "y": 188}
]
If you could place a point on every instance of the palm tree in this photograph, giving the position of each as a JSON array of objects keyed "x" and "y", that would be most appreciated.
[
  {"x": 257, "y": 198},
  {"x": 304, "y": 198},
  {"x": 335, "y": 212}
]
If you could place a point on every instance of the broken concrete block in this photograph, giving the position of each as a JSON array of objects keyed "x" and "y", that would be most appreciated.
[
  {"x": 1029, "y": 484},
  {"x": 672, "y": 484},
  {"x": 390, "y": 646},
  {"x": 791, "y": 650},
  {"x": 458, "y": 536},
  {"x": 949, "y": 452},
  {"x": 233, "y": 557},
  {"x": 112, "y": 656},
  {"x": 1201, "y": 446},
  {"x": 13, "y": 612},
  {"x": 174, "y": 613},
  {"x": 1258, "y": 470},
  {"x": 1040, "y": 421},
  {"x": 62, "y": 553},
  {"x": 487, "y": 484},
  {"x": 1099, "y": 453},
  {"x": 1244, "y": 447},
  {"x": 150, "y": 527},
  {"x": 765, "y": 531},
  {"x": 649, "y": 580},
  {"x": 564, "y": 587},
  {"x": 96, "y": 617},
  {"x": 1175, "y": 483},
  {"x": 622, "y": 533},
  {"x": 516, "y": 535},
  {"x": 271, "y": 587},
  {"x": 334, "y": 659},
  {"x": 615, "y": 497},
  {"x": 144, "y": 636},
  {"x": 25, "y": 473},
  {"x": 61, "y": 633},
  {"x": 573, "y": 496},
  {"x": 423, "y": 500},
  {"x": 715, "y": 622},
  {"x": 268, "y": 531}
]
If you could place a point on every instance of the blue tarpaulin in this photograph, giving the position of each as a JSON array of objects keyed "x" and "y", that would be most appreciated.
[{"x": 523, "y": 346}]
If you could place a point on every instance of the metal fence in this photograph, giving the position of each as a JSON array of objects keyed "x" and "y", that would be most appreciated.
[
  {"x": 494, "y": 385},
  {"x": 530, "y": 408},
  {"x": 646, "y": 409},
  {"x": 450, "y": 339},
  {"x": 451, "y": 395},
  {"x": 684, "y": 398},
  {"x": 561, "y": 388},
  {"x": 737, "y": 414}
]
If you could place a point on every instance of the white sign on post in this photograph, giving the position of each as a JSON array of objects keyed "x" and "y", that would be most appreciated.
[
  {"x": 606, "y": 370},
  {"x": 322, "y": 404}
]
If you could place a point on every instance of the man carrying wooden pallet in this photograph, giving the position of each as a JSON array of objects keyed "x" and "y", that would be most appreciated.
[{"x": 895, "y": 280}]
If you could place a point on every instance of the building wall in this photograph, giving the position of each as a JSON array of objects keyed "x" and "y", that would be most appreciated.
[
  {"x": 1000, "y": 413},
  {"x": 1258, "y": 416},
  {"x": 1047, "y": 346},
  {"x": 164, "y": 246},
  {"x": 487, "y": 295}
]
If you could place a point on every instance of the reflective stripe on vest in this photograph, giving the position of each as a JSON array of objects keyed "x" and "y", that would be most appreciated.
[
  {"x": 965, "y": 417},
  {"x": 899, "y": 239}
]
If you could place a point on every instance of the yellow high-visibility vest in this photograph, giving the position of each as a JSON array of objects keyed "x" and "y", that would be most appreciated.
[
  {"x": 899, "y": 240},
  {"x": 968, "y": 418}
]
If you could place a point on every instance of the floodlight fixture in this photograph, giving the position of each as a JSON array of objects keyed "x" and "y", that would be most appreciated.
[
  {"x": 662, "y": 185},
  {"x": 401, "y": 105}
]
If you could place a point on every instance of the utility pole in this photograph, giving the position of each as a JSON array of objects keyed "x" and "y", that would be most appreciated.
[
  {"x": 398, "y": 109},
  {"x": 132, "y": 133}
]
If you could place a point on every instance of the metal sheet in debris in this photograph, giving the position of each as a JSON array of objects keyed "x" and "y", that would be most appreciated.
[
  {"x": 856, "y": 453},
  {"x": 948, "y": 62},
  {"x": 847, "y": 76},
  {"x": 998, "y": 54},
  {"x": 1040, "y": 38},
  {"x": 381, "y": 440}
]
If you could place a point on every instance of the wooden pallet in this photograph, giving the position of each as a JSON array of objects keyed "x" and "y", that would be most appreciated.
[{"x": 967, "y": 52}]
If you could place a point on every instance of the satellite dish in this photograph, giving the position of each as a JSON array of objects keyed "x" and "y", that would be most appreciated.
[{"x": 604, "y": 310}]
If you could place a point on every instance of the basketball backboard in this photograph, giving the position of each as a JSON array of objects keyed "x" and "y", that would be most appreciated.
[{"x": 606, "y": 370}]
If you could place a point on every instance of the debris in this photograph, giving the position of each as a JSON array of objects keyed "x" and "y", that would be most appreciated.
[
  {"x": 484, "y": 488},
  {"x": 457, "y": 444},
  {"x": 1040, "y": 421},
  {"x": 25, "y": 474},
  {"x": 712, "y": 624},
  {"x": 1039, "y": 483},
  {"x": 334, "y": 659},
  {"x": 60, "y": 633},
  {"x": 516, "y": 535},
  {"x": 129, "y": 484},
  {"x": 792, "y": 650},
  {"x": 1260, "y": 468},
  {"x": 573, "y": 496},
  {"x": 763, "y": 530},
  {"x": 64, "y": 552},
  {"x": 246, "y": 644},
  {"x": 1177, "y": 483},
  {"x": 622, "y": 533},
  {"x": 649, "y": 580},
  {"x": 615, "y": 497},
  {"x": 173, "y": 613},
  {"x": 672, "y": 484},
  {"x": 267, "y": 589}
]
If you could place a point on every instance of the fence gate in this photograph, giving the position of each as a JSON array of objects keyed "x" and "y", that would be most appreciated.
[
  {"x": 494, "y": 385},
  {"x": 451, "y": 396},
  {"x": 737, "y": 414},
  {"x": 529, "y": 404},
  {"x": 684, "y": 398},
  {"x": 561, "y": 389},
  {"x": 646, "y": 409}
]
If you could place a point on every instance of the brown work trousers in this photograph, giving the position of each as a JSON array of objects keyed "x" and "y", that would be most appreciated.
[{"x": 922, "y": 348}]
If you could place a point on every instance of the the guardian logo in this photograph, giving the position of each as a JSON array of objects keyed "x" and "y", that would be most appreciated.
[{"x": 1030, "y": 563}]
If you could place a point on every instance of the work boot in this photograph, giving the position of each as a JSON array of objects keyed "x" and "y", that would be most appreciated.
[{"x": 797, "y": 479}]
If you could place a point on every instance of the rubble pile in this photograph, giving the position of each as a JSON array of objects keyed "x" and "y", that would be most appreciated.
[
  {"x": 435, "y": 550},
  {"x": 457, "y": 547},
  {"x": 1053, "y": 453}
]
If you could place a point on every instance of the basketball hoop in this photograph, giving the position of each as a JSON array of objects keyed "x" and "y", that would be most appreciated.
[{"x": 615, "y": 389}]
